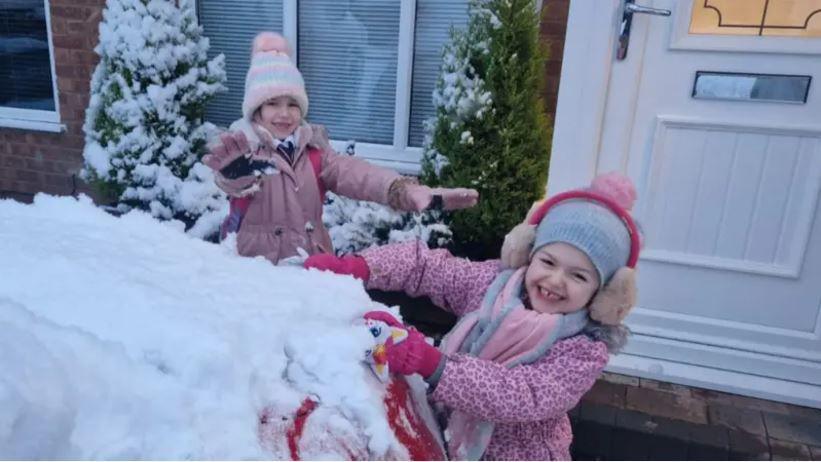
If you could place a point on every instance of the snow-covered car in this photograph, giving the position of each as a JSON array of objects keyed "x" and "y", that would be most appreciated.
[{"x": 125, "y": 338}]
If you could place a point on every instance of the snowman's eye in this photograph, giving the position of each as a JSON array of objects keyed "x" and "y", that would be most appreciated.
[{"x": 376, "y": 331}]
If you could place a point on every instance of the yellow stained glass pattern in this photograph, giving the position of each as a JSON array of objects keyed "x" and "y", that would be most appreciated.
[{"x": 796, "y": 18}]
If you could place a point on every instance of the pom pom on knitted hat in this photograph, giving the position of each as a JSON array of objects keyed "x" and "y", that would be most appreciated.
[
  {"x": 271, "y": 74},
  {"x": 271, "y": 41},
  {"x": 617, "y": 187}
]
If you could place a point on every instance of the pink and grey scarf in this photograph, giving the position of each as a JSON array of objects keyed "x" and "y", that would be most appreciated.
[{"x": 503, "y": 330}]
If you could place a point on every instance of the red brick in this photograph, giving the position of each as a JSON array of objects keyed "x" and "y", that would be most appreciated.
[
  {"x": 20, "y": 149},
  {"x": 80, "y": 13},
  {"x": 603, "y": 392},
  {"x": 550, "y": 105},
  {"x": 83, "y": 58},
  {"x": 62, "y": 55},
  {"x": 665, "y": 404},
  {"x": 746, "y": 420},
  {"x": 715, "y": 397},
  {"x": 67, "y": 70},
  {"x": 665, "y": 386},
  {"x": 12, "y": 162},
  {"x": 619, "y": 378},
  {"x": 59, "y": 181},
  {"x": 552, "y": 84},
  {"x": 555, "y": 8},
  {"x": 553, "y": 29},
  {"x": 28, "y": 176},
  {"x": 553, "y": 67},
  {"x": 69, "y": 41},
  {"x": 58, "y": 27}
]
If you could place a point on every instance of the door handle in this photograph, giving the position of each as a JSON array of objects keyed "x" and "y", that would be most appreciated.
[{"x": 630, "y": 8}]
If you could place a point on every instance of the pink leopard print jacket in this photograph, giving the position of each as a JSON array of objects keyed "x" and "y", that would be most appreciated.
[{"x": 529, "y": 403}]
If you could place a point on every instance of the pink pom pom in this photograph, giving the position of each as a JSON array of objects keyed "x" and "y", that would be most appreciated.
[
  {"x": 617, "y": 187},
  {"x": 271, "y": 41}
]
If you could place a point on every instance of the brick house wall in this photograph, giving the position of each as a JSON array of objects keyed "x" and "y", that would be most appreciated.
[
  {"x": 553, "y": 28},
  {"x": 35, "y": 161}
]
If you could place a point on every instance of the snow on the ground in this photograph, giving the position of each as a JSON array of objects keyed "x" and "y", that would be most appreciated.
[{"x": 124, "y": 338}]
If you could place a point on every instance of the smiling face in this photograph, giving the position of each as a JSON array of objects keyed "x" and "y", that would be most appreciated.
[
  {"x": 560, "y": 279},
  {"x": 281, "y": 116}
]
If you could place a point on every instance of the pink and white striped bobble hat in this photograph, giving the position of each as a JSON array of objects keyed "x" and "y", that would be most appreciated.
[{"x": 272, "y": 74}]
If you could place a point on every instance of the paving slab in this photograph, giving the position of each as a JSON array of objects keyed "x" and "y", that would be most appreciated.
[
  {"x": 592, "y": 440},
  {"x": 747, "y": 446},
  {"x": 598, "y": 413},
  {"x": 787, "y": 450},
  {"x": 797, "y": 429},
  {"x": 734, "y": 418}
]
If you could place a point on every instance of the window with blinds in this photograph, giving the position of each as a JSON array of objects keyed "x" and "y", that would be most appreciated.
[
  {"x": 349, "y": 53},
  {"x": 434, "y": 19},
  {"x": 231, "y": 26},
  {"x": 348, "y": 57},
  {"x": 25, "y": 64}
]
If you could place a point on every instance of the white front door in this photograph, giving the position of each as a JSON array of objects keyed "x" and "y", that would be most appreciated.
[{"x": 729, "y": 178}]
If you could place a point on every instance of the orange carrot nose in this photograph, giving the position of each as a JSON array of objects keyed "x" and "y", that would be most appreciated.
[{"x": 380, "y": 354}]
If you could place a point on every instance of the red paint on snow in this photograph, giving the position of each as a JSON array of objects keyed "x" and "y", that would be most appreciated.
[
  {"x": 419, "y": 441},
  {"x": 294, "y": 433}
]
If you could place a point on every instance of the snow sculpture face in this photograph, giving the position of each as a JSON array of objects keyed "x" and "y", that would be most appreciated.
[{"x": 383, "y": 334}]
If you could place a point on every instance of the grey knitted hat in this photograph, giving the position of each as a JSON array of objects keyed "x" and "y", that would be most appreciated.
[{"x": 590, "y": 227}]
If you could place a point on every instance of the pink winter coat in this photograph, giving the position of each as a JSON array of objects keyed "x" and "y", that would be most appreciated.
[
  {"x": 286, "y": 213},
  {"x": 529, "y": 403}
]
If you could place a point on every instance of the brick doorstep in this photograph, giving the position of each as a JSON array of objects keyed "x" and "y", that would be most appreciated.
[
  {"x": 603, "y": 432},
  {"x": 617, "y": 420}
]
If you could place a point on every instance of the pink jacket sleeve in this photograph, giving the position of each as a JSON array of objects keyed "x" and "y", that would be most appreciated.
[
  {"x": 534, "y": 392},
  {"x": 356, "y": 178},
  {"x": 454, "y": 284}
]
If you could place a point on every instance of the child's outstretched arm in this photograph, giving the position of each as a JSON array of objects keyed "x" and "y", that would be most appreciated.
[
  {"x": 358, "y": 179},
  {"x": 542, "y": 390},
  {"x": 454, "y": 284}
]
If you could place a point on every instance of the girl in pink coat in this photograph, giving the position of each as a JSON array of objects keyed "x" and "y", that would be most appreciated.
[
  {"x": 535, "y": 328},
  {"x": 275, "y": 166}
]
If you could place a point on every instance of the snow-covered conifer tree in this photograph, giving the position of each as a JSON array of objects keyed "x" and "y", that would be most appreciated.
[
  {"x": 490, "y": 131},
  {"x": 144, "y": 125},
  {"x": 356, "y": 225}
]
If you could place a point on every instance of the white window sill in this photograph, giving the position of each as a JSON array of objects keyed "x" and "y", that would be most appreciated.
[
  {"x": 35, "y": 125},
  {"x": 405, "y": 161}
]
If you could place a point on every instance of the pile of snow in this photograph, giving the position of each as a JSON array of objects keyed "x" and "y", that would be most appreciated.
[{"x": 123, "y": 338}]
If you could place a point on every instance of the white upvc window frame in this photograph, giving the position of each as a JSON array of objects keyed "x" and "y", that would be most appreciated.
[
  {"x": 35, "y": 119},
  {"x": 399, "y": 156}
]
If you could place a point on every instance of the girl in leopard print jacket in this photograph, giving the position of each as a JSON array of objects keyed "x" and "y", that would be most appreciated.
[{"x": 535, "y": 328}]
